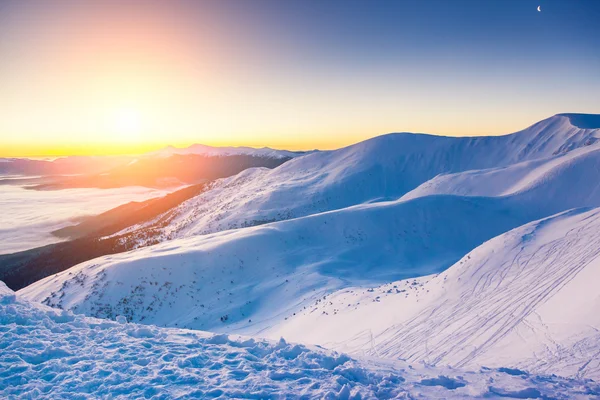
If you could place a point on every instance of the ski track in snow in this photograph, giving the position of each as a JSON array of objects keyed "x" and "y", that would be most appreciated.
[
  {"x": 524, "y": 299},
  {"x": 499, "y": 300},
  {"x": 48, "y": 353}
]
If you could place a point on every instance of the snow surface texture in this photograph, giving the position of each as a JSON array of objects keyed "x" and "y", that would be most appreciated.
[
  {"x": 527, "y": 299},
  {"x": 28, "y": 216},
  {"x": 48, "y": 353}
]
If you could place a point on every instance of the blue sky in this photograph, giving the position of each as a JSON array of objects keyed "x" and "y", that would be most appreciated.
[{"x": 296, "y": 74}]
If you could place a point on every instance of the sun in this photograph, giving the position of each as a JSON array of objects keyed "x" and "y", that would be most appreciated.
[{"x": 127, "y": 124}]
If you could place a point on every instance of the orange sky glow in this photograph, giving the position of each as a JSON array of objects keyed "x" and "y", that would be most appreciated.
[{"x": 118, "y": 78}]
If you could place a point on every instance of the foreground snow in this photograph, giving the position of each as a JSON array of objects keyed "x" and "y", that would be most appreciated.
[
  {"x": 48, "y": 353},
  {"x": 524, "y": 300}
]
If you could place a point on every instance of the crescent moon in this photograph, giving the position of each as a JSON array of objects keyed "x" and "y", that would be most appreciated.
[{"x": 540, "y": 8}]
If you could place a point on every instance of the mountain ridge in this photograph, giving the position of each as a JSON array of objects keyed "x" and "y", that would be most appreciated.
[{"x": 383, "y": 168}]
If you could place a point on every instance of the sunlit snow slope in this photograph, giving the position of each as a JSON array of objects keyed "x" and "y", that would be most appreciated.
[{"x": 526, "y": 299}]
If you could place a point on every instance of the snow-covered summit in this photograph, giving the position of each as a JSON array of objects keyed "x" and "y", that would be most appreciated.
[{"x": 583, "y": 121}]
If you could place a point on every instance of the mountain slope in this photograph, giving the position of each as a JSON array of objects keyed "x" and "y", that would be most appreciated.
[
  {"x": 553, "y": 176},
  {"x": 526, "y": 299},
  {"x": 60, "y": 165},
  {"x": 381, "y": 167},
  {"x": 536, "y": 300},
  {"x": 166, "y": 172},
  {"x": 265, "y": 274},
  {"x": 268, "y": 273}
]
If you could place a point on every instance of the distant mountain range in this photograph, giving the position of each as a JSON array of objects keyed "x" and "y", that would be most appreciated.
[
  {"x": 211, "y": 151},
  {"x": 169, "y": 167}
]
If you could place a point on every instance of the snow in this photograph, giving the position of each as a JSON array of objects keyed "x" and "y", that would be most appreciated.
[
  {"x": 527, "y": 299},
  {"x": 547, "y": 177},
  {"x": 584, "y": 121},
  {"x": 475, "y": 254},
  {"x": 268, "y": 273},
  {"x": 49, "y": 353},
  {"x": 28, "y": 216}
]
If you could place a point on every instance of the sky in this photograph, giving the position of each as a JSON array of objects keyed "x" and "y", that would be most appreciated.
[{"x": 123, "y": 77}]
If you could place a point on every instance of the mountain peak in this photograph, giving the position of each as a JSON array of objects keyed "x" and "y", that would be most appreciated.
[{"x": 583, "y": 121}]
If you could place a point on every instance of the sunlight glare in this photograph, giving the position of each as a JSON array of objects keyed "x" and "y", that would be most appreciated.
[{"x": 127, "y": 124}]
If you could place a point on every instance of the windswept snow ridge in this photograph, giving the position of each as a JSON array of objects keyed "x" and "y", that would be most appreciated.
[
  {"x": 565, "y": 181},
  {"x": 47, "y": 353},
  {"x": 379, "y": 169}
]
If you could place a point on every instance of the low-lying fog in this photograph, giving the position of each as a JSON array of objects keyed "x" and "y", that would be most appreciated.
[{"x": 29, "y": 216}]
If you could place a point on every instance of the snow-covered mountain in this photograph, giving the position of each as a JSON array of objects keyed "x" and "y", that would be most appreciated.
[
  {"x": 383, "y": 168},
  {"x": 49, "y": 353},
  {"x": 59, "y": 166},
  {"x": 398, "y": 206}
]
